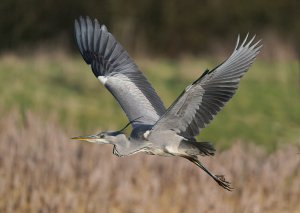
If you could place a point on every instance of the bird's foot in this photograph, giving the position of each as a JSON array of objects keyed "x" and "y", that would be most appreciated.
[{"x": 222, "y": 182}]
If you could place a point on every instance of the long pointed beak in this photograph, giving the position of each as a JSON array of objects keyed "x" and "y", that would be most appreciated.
[{"x": 89, "y": 138}]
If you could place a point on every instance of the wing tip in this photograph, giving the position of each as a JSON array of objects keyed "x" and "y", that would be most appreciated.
[
  {"x": 248, "y": 43},
  {"x": 84, "y": 28}
]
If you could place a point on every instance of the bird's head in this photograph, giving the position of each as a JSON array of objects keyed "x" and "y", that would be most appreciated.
[
  {"x": 100, "y": 138},
  {"x": 109, "y": 137}
]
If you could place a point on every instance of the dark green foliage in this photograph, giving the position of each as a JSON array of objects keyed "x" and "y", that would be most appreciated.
[{"x": 167, "y": 26}]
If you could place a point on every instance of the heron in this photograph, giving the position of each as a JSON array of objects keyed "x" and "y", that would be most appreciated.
[{"x": 155, "y": 129}]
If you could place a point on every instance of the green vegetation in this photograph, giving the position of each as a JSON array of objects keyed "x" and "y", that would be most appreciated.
[{"x": 265, "y": 110}]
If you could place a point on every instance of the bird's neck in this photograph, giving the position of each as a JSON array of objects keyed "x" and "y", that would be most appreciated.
[{"x": 125, "y": 147}]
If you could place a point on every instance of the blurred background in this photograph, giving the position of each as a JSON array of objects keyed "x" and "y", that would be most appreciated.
[{"x": 48, "y": 94}]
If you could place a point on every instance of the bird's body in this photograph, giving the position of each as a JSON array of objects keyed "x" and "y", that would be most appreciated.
[{"x": 155, "y": 130}]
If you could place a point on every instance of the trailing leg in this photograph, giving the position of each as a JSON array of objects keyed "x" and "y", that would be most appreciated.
[{"x": 218, "y": 178}]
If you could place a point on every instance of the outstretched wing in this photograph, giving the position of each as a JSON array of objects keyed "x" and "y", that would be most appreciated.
[
  {"x": 203, "y": 99},
  {"x": 112, "y": 65}
]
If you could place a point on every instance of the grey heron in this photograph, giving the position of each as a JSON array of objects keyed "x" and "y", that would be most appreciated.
[{"x": 156, "y": 130}]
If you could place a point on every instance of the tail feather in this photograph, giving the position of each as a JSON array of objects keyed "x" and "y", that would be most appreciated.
[{"x": 204, "y": 148}]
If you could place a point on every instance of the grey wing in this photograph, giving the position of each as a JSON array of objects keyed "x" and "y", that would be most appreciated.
[
  {"x": 202, "y": 100},
  {"x": 112, "y": 65}
]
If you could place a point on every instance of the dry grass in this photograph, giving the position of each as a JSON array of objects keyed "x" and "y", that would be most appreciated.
[{"x": 42, "y": 171}]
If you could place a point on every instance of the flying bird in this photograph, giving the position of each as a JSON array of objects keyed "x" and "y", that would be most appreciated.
[{"x": 155, "y": 129}]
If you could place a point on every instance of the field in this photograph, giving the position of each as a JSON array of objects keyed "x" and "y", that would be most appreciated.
[{"x": 48, "y": 98}]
